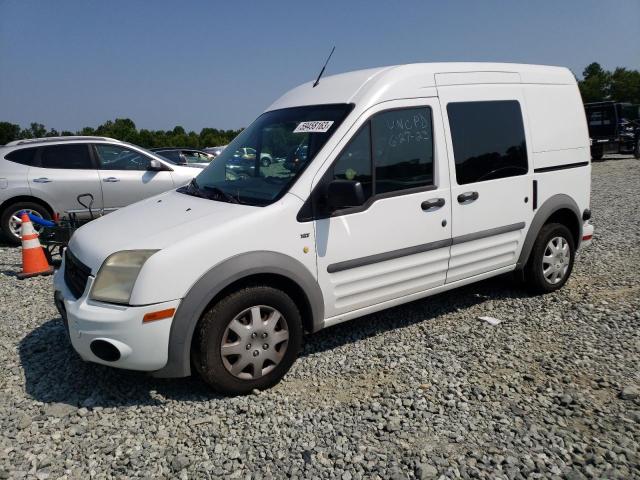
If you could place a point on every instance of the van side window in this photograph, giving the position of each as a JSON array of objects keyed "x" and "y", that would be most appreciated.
[
  {"x": 402, "y": 149},
  {"x": 74, "y": 156},
  {"x": 354, "y": 163},
  {"x": 488, "y": 140},
  {"x": 398, "y": 144}
]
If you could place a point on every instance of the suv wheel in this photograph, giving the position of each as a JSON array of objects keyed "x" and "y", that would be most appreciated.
[
  {"x": 248, "y": 340},
  {"x": 551, "y": 259},
  {"x": 10, "y": 221}
]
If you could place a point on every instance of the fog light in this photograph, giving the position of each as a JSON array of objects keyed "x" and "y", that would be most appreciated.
[{"x": 105, "y": 351}]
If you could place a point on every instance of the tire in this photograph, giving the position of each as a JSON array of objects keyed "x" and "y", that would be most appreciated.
[
  {"x": 219, "y": 325},
  {"x": 6, "y": 224},
  {"x": 559, "y": 270},
  {"x": 597, "y": 154},
  {"x": 636, "y": 151},
  {"x": 265, "y": 161}
]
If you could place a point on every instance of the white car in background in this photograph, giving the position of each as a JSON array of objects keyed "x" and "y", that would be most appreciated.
[{"x": 44, "y": 176}]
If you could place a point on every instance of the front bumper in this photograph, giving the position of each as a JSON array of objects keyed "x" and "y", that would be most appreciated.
[{"x": 141, "y": 346}]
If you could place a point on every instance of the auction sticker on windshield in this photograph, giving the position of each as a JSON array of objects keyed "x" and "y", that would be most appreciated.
[{"x": 318, "y": 126}]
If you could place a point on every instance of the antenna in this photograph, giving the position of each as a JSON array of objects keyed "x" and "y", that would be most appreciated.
[{"x": 323, "y": 67}]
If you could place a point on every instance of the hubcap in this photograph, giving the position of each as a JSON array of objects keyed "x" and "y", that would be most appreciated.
[
  {"x": 254, "y": 342},
  {"x": 556, "y": 260},
  {"x": 15, "y": 222}
]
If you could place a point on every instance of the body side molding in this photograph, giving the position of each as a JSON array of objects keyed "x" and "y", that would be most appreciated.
[
  {"x": 213, "y": 282},
  {"x": 561, "y": 167},
  {"x": 403, "y": 252}
]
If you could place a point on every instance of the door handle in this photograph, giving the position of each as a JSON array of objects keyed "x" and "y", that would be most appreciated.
[
  {"x": 42, "y": 180},
  {"x": 433, "y": 204},
  {"x": 111, "y": 179},
  {"x": 467, "y": 197}
]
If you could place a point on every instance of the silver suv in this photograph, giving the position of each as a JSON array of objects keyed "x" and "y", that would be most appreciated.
[{"x": 44, "y": 176}]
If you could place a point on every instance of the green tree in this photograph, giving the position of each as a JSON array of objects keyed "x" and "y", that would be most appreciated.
[
  {"x": 35, "y": 130},
  {"x": 9, "y": 132},
  {"x": 625, "y": 85},
  {"x": 596, "y": 83}
]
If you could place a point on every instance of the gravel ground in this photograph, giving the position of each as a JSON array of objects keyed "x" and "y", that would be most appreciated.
[{"x": 425, "y": 390}]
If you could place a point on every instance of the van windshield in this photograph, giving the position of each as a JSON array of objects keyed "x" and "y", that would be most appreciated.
[{"x": 261, "y": 163}]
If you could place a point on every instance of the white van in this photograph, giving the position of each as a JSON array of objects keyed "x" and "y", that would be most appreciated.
[{"x": 394, "y": 184}]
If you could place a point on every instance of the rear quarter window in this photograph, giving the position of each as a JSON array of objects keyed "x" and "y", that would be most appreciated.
[{"x": 23, "y": 156}]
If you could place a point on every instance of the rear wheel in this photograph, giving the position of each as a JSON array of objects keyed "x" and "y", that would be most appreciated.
[
  {"x": 551, "y": 260},
  {"x": 10, "y": 221},
  {"x": 248, "y": 340}
]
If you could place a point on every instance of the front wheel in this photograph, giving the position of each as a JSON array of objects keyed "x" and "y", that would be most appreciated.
[
  {"x": 551, "y": 259},
  {"x": 248, "y": 340}
]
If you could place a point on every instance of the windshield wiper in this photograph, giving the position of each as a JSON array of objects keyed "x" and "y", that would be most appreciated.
[{"x": 221, "y": 193}]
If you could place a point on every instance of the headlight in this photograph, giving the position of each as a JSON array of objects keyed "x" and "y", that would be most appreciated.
[{"x": 118, "y": 274}]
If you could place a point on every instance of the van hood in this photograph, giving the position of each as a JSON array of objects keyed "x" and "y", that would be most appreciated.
[{"x": 154, "y": 223}]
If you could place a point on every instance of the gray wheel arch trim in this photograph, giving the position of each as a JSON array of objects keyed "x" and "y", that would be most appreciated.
[
  {"x": 213, "y": 282},
  {"x": 548, "y": 208}
]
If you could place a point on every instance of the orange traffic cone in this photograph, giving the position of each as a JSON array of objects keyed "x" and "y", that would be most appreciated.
[{"x": 33, "y": 260}]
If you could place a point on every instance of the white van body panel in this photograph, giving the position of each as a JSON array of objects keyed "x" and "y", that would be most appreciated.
[{"x": 173, "y": 224}]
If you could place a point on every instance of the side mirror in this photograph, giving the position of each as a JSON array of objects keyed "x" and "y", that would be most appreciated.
[
  {"x": 156, "y": 165},
  {"x": 344, "y": 193}
]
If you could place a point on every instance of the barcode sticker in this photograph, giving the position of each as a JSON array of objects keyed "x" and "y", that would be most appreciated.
[{"x": 319, "y": 126}]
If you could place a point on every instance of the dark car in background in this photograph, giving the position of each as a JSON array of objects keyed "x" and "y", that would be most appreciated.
[
  {"x": 614, "y": 127},
  {"x": 189, "y": 157}
]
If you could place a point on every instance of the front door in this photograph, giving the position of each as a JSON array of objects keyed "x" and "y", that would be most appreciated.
[
  {"x": 397, "y": 243},
  {"x": 491, "y": 184},
  {"x": 125, "y": 176}
]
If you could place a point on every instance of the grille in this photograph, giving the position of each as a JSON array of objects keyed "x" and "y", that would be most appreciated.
[{"x": 76, "y": 274}]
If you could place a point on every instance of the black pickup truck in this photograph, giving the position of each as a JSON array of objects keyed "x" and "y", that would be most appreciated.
[{"x": 614, "y": 127}]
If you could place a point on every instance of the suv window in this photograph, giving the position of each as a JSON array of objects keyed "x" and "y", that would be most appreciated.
[
  {"x": 74, "y": 156},
  {"x": 488, "y": 140},
  {"x": 171, "y": 155},
  {"x": 398, "y": 144},
  {"x": 24, "y": 156},
  {"x": 195, "y": 157},
  {"x": 115, "y": 157}
]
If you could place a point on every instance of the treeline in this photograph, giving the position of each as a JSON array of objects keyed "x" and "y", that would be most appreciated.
[
  {"x": 621, "y": 85},
  {"x": 125, "y": 129}
]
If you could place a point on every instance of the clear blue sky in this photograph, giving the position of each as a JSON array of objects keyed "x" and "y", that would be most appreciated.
[{"x": 70, "y": 64}]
